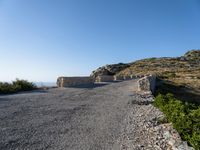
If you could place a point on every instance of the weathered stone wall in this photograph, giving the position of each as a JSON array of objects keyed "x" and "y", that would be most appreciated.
[
  {"x": 119, "y": 78},
  {"x": 116, "y": 78},
  {"x": 104, "y": 78},
  {"x": 73, "y": 81},
  {"x": 147, "y": 83},
  {"x": 140, "y": 76},
  {"x": 132, "y": 76},
  {"x": 127, "y": 77}
]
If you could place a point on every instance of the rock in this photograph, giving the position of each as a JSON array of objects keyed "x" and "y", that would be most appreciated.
[
  {"x": 167, "y": 135},
  {"x": 193, "y": 54},
  {"x": 184, "y": 146},
  {"x": 109, "y": 69}
]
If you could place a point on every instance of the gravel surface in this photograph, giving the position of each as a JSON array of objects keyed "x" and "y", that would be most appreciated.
[
  {"x": 67, "y": 118},
  {"x": 100, "y": 117}
]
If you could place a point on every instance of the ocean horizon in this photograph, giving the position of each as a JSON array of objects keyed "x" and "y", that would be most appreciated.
[{"x": 47, "y": 84}]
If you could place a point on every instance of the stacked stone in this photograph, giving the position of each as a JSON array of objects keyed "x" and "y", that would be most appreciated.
[
  {"x": 147, "y": 83},
  {"x": 104, "y": 78},
  {"x": 74, "y": 81},
  {"x": 144, "y": 129}
]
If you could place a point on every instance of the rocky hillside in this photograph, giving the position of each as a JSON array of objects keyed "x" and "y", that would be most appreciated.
[
  {"x": 162, "y": 66},
  {"x": 110, "y": 69},
  {"x": 165, "y": 66},
  {"x": 192, "y": 55},
  {"x": 183, "y": 71}
]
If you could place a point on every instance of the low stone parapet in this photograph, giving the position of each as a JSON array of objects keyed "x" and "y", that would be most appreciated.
[
  {"x": 104, "y": 78},
  {"x": 74, "y": 81},
  {"x": 132, "y": 76},
  {"x": 127, "y": 77},
  {"x": 147, "y": 84},
  {"x": 118, "y": 78}
]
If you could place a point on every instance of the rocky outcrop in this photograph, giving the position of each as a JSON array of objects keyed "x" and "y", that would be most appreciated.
[
  {"x": 160, "y": 66},
  {"x": 109, "y": 69},
  {"x": 193, "y": 54},
  {"x": 74, "y": 81}
]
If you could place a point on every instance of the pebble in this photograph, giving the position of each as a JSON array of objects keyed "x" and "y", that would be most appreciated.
[{"x": 146, "y": 133}]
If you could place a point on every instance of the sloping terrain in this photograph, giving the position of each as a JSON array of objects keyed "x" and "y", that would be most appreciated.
[
  {"x": 181, "y": 75},
  {"x": 165, "y": 66}
]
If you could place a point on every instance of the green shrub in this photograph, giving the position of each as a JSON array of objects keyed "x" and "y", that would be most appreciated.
[
  {"x": 16, "y": 86},
  {"x": 6, "y": 88},
  {"x": 185, "y": 117},
  {"x": 23, "y": 85}
]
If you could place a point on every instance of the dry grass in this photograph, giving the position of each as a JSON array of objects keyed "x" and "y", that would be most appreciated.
[{"x": 182, "y": 74}]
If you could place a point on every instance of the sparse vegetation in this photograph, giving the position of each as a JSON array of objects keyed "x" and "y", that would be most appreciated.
[
  {"x": 184, "y": 116},
  {"x": 180, "y": 74},
  {"x": 181, "y": 77},
  {"x": 16, "y": 86}
]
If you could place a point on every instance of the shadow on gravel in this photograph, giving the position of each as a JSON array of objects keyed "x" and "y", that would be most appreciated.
[
  {"x": 95, "y": 85},
  {"x": 3, "y": 100},
  {"x": 90, "y": 86},
  {"x": 141, "y": 102},
  {"x": 25, "y": 92}
]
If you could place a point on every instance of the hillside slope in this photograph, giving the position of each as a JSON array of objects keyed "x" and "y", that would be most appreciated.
[
  {"x": 187, "y": 63},
  {"x": 181, "y": 75}
]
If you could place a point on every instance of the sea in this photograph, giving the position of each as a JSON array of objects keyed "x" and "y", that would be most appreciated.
[{"x": 45, "y": 84}]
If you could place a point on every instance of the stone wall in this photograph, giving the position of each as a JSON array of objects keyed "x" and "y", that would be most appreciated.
[
  {"x": 147, "y": 84},
  {"x": 119, "y": 78},
  {"x": 116, "y": 78},
  {"x": 132, "y": 76},
  {"x": 104, "y": 78},
  {"x": 73, "y": 81},
  {"x": 127, "y": 77}
]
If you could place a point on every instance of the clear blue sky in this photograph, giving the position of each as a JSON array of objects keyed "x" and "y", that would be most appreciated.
[{"x": 43, "y": 39}]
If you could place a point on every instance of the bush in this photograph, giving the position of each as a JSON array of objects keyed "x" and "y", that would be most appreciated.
[
  {"x": 23, "y": 85},
  {"x": 6, "y": 88},
  {"x": 16, "y": 86},
  {"x": 185, "y": 117}
]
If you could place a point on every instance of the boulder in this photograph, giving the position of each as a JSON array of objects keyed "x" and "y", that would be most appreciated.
[{"x": 109, "y": 70}]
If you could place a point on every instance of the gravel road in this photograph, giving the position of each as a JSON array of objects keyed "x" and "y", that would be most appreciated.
[{"x": 82, "y": 118}]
